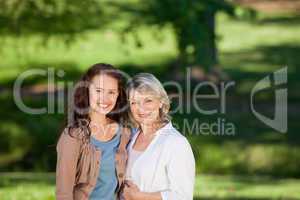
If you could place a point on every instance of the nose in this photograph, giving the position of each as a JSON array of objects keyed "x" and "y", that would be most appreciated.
[
  {"x": 140, "y": 108},
  {"x": 104, "y": 99}
]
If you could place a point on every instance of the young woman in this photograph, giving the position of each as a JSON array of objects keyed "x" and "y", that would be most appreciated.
[
  {"x": 161, "y": 164},
  {"x": 91, "y": 151}
]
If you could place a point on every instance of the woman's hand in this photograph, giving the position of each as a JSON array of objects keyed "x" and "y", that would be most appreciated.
[{"x": 131, "y": 191}]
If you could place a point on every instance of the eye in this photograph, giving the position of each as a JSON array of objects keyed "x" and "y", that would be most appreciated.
[
  {"x": 113, "y": 92},
  {"x": 132, "y": 103},
  {"x": 148, "y": 100},
  {"x": 99, "y": 90}
]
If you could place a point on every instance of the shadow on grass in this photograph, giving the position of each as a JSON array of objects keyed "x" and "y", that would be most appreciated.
[
  {"x": 162, "y": 70},
  {"x": 13, "y": 179},
  {"x": 27, "y": 138},
  {"x": 279, "y": 56},
  {"x": 70, "y": 71},
  {"x": 282, "y": 20}
]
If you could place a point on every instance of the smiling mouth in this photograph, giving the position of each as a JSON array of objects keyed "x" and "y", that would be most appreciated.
[
  {"x": 143, "y": 115},
  {"x": 103, "y": 105}
]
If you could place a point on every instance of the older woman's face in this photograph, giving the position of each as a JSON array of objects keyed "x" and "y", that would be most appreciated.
[
  {"x": 144, "y": 107},
  {"x": 103, "y": 93}
]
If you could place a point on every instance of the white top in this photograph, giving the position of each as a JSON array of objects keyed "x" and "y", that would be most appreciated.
[
  {"x": 133, "y": 156},
  {"x": 167, "y": 165}
]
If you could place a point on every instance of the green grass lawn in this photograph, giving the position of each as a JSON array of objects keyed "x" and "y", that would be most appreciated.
[{"x": 38, "y": 186}]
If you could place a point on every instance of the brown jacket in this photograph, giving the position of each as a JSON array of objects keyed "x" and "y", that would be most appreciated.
[{"x": 78, "y": 165}]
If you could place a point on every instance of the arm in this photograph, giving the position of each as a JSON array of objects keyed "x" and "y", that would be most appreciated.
[
  {"x": 131, "y": 192},
  {"x": 67, "y": 156},
  {"x": 149, "y": 196},
  {"x": 181, "y": 172}
]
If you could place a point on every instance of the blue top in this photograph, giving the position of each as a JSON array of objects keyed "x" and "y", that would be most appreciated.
[{"x": 107, "y": 181}]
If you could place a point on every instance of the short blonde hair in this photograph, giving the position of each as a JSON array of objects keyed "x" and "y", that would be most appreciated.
[{"x": 148, "y": 83}]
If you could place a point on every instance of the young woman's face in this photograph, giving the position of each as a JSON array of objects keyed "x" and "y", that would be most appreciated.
[
  {"x": 103, "y": 93},
  {"x": 144, "y": 107}
]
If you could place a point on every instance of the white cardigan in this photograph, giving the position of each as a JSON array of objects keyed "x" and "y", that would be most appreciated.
[{"x": 166, "y": 166}]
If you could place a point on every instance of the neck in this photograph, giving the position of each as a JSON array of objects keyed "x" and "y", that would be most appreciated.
[
  {"x": 98, "y": 118},
  {"x": 150, "y": 129}
]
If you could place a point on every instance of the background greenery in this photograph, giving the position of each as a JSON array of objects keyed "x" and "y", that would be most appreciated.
[
  {"x": 256, "y": 163},
  {"x": 35, "y": 186}
]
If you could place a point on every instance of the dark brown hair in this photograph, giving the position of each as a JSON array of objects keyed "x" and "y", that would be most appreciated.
[{"x": 79, "y": 105}]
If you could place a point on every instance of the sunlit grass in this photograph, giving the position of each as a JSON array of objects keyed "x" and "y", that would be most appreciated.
[
  {"x": 37, "y": 186},
  {"x": 238, "y": 35},
  {"x": 246, "y": 187}
]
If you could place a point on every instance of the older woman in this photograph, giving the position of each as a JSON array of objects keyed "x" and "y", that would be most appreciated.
[{"x": 161, "y": 164}]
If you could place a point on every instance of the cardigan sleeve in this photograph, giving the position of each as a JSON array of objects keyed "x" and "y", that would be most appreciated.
[
  {"x": 68, "y": 149},
  {"x": 180, "y": 171}
]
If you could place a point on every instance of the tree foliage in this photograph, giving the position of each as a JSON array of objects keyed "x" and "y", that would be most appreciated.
[
  {"x": 50, "y": 17},
  {"x": 192, "y": 20}
]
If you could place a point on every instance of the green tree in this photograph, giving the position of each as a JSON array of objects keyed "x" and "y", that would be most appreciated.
[
  {"x": 50, "y": 17},
  {"x": 194, "y": 25},
  {"x": 193, "y": 22}
]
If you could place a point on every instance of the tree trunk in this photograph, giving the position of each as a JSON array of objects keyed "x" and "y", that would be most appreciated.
[{"x": 206, "y": 54}]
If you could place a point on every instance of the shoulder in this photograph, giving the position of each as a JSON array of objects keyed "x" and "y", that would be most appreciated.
[
  {"x": 70, "y": 137},
  {"x": 177, "y": 146},
  {"x": 174, "y": 138}
]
